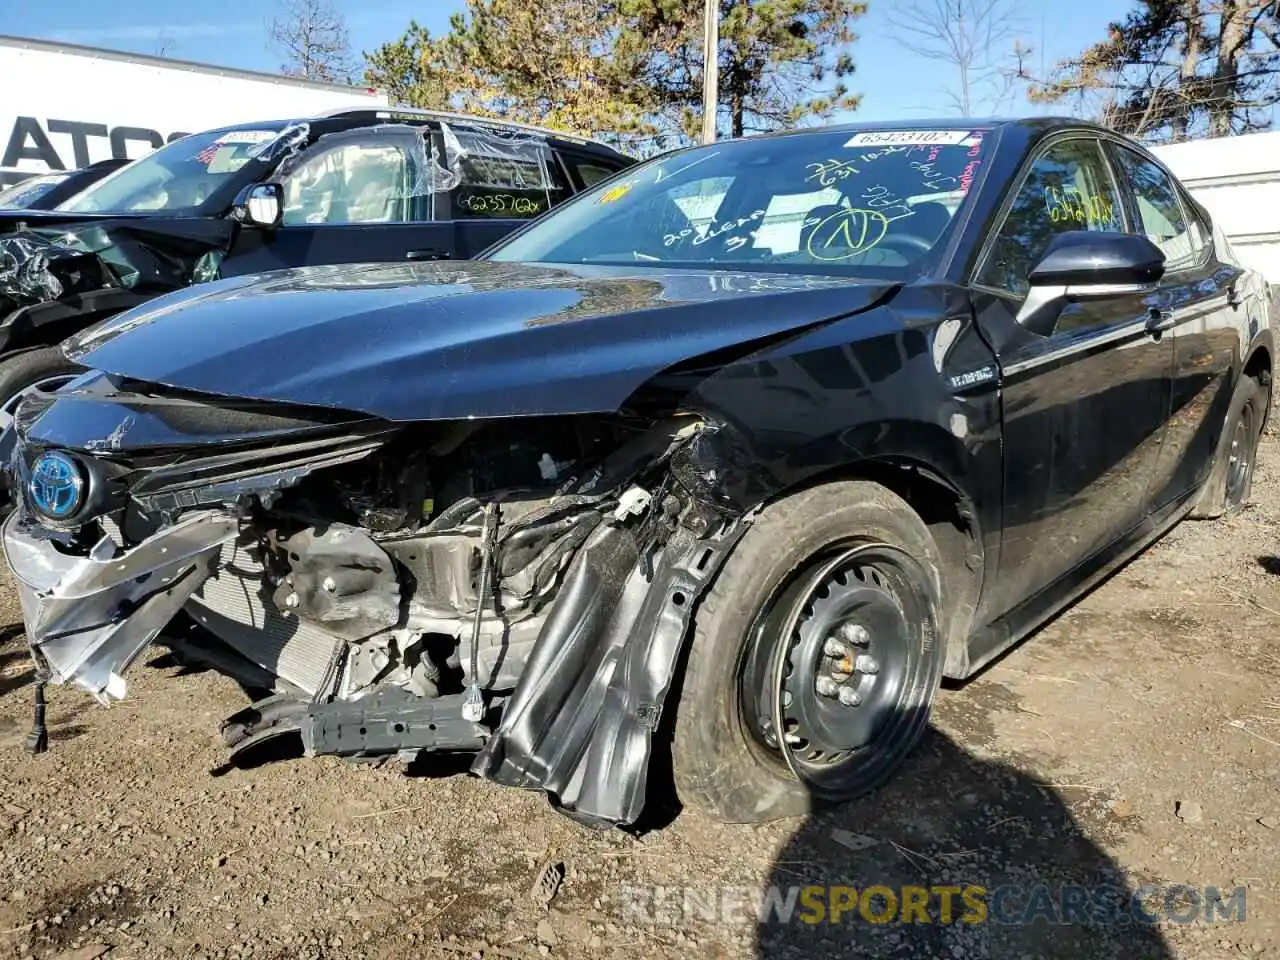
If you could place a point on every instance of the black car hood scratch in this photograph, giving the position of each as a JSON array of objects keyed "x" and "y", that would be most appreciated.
[{"x": 429, "y": 341}]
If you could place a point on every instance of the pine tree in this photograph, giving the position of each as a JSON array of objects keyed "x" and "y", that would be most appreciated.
[{"x": 630, "y": 67}]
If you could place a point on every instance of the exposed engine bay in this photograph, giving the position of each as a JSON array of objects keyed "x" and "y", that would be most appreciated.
[{"x": 504, "y": 586}]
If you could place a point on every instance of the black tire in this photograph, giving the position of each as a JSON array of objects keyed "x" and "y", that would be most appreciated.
[
  {"x": 1230, "y": 481},
  {"x": 723, "y": 762},
  {"x": 18, "y": 373},
  {"x": 24, "y": 370}
]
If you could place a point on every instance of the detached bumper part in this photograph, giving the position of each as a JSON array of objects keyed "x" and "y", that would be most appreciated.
[{"x": 89, "y": 617}]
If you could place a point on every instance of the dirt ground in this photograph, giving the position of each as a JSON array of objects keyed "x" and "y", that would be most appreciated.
[{"x": 1134, "y": 741}]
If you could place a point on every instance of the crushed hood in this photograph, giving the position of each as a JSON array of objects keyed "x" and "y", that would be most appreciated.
[
  {"x": 427, "y": 341},
  {"x": 48, "y": 255}
]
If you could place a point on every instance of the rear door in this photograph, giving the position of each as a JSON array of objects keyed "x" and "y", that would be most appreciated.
[
  {"x": 357, "y": 196},
  {"x": 1084, "y": 407},
  {"x": 1196, "y": 301}
]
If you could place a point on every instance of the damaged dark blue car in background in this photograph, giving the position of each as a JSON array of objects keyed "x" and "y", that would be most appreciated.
[{"x": 736, "y": 456}]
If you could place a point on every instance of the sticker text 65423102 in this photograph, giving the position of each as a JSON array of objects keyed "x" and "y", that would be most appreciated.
[{"x": 915, "y": 138}]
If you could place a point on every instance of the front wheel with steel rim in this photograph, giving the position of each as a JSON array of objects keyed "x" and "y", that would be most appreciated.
[{"x": 815, "y": 659}]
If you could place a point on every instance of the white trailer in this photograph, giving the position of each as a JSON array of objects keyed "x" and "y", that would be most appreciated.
[
  {"x": 64, "y": 106},
  {"x": 1238, "y": 180}
]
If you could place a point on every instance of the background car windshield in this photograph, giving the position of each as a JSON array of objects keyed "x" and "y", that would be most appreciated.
[
  {"x": 847, "y": 201},
  {"x": 27, "y": 192},
  {"x": 179, "y": 178}
]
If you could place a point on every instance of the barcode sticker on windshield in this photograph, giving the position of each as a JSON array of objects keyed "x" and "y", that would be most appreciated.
[
  {"x": 887, "y": 138},
  {"x": 248, "y": 136}
]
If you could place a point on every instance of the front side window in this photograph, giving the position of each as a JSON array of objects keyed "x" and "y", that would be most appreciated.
[
  {"x": 191, "y": 175},
  {"x": 357, "y": 180},
  {"x": 874, "y": 202},
  {"x": 1159, "y": 210},
  {"x": 1068, "y": 188}
]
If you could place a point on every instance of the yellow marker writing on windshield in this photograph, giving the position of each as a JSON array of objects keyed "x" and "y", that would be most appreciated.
[{"x": 845, "y": 233}]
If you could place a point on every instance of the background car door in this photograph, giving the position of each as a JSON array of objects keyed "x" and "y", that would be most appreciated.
[
  {"x": 356, "y": 196},
  {"x": 1084, "y": 408},
  {"x": 1195, "y": 298}
]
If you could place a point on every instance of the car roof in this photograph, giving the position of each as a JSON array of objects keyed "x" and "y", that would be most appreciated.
[{"x": 369, "y": 116}]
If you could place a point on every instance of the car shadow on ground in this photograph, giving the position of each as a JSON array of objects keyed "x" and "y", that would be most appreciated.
[
  {"x": 1270, "y": 563},
  {"x": 951, "y": 822}
]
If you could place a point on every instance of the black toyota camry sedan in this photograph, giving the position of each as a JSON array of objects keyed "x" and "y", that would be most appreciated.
[{"x": 733, "y": 457}]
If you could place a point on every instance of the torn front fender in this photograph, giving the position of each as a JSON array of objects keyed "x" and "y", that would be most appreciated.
[{"x": 581, "y": 723}]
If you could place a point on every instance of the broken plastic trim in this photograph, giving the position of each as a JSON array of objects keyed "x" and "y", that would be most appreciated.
[{"x": 89, "y": 617}]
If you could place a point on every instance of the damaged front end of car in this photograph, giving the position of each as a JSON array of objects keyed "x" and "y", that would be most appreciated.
[{"x": 517, "y": 587}]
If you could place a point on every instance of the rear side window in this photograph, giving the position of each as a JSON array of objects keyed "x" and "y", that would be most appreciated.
[
  {"x": 1068, "y": 188},
  {"x": 588, "y": 170},
  {"x": 501, "y": 175},
  {"x": 1160, "y": 214},
  {"x": 592, "y": 173}
]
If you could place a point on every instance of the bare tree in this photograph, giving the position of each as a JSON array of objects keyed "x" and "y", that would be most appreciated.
[
  {"x": 977, "y": 37},
  {"x": 314, "y": 39}
]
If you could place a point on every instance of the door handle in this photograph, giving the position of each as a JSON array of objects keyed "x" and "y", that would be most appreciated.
[
  {"x": 1159, "y": 320},
  {"x": 430, "y": 253}
]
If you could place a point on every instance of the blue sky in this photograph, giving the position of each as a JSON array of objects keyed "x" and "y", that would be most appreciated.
[{"x": 894, "y": 83}]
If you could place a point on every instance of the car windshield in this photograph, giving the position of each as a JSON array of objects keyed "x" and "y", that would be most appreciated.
[
  {"x": 865, "y": 201},
  {"x": 188, "y": 176},
  {"x": 22, "y": 195}
]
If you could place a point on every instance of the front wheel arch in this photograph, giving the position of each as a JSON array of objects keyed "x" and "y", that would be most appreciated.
[{"x": 953, "y": 520}]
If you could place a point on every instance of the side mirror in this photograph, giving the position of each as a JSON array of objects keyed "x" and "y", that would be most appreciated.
[
  {"x": 261, "y": 204},
  {"x": 1086, "y": 265}
]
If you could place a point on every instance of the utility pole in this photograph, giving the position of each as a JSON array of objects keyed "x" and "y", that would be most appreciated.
[{"x": 710, "y": 68}]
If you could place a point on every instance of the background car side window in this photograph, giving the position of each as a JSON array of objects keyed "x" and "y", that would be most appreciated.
[
  {"x": 1068, "y": 188},
  {"x": 351, "y": 182},
  {"x": 1160, "y": 213},
  {"x": 503, "y": 177},
  {"x": 592, "y": 173}
]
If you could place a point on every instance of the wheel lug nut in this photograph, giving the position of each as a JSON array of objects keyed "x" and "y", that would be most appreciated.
[
  {"x": 849, "y": 697},
  {"x": 856, "y": 634},
  {"x": 866, "y": 664},
  {"x": 834, "y": 648},
  {"x": 826, "y": 687}
]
